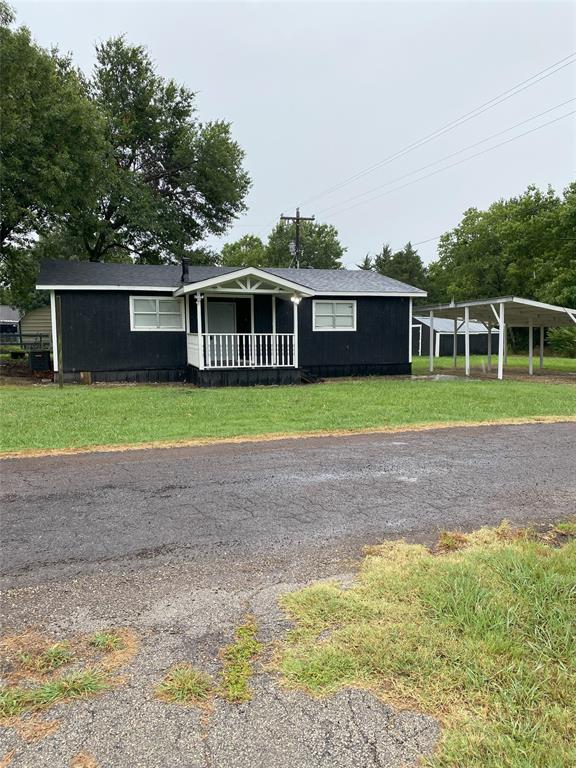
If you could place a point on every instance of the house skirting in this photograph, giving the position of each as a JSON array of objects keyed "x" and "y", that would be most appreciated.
[
  {"x": 243, "y": 377},
  {"x": 145, "y": 376},
  {"x": 368, "y": 369}
]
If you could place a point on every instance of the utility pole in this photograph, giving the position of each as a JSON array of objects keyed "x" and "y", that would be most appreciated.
[{"x": 297, "y": 219}]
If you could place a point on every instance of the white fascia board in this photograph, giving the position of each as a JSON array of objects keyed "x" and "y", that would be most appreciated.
[
  {"x": 166, "y": 289},
  {"x": 238, "y": 275}
]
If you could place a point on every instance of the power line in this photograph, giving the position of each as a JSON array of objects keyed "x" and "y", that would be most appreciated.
[
  {"x": 452, "y": 165},
  {"x": 447, "y": 157},
  {"x": 495, "y": 101}
]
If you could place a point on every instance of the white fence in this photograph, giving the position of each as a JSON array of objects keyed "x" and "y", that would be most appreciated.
[{"x": 242, "y": 350}]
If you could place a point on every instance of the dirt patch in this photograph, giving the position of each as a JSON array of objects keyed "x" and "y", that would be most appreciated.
[{"x": 83, "y": 760}]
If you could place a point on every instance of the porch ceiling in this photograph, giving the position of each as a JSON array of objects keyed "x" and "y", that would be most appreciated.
[{"x": 246, "y": 281}]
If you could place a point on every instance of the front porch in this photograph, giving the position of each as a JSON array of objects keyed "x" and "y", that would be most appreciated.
[{"x": 241, "y": 324}]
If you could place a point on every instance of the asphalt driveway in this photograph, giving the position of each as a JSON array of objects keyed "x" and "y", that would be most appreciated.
[{"x": 178, "y": 544}]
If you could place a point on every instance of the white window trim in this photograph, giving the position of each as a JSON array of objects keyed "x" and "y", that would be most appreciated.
[
  {"x": 333, "y": 301},
  {"x": 181, "y": 328}
]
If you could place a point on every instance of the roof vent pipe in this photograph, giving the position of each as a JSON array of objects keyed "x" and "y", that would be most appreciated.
[{"x": 185, "y": 265}]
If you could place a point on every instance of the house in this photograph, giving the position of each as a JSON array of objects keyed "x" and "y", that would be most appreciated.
[
  {"x": 9, "y": 324},
  {"x": 36, "y": 328},
  {"x": 218, "y": 326},
  {"x": 443, "y": 337}
]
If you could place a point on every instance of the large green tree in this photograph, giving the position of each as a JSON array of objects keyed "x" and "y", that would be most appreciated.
[
  {"x": 168, "y": 180},
  {"x": 320, "y": 247},
  {"x": 50, "y": 148},
  {"x": 248, "y": 251},
  {"x": 404, "y": 265},
  {"x": 524, "y": 246}
]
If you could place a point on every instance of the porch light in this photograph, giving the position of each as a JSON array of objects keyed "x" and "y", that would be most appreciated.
[{"x": 296, "y": 299}]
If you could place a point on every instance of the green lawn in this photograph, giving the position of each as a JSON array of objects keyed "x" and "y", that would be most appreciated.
[
  {"x": 479, "y": 362},
  {"x": 482, "y": 638},
  {"x": 41, "y": 417}
]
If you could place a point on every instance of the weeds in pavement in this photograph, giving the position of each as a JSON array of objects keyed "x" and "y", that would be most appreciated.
[
  {"x": 107, "y": 641},
  {"x": 15, "y": 700},
  {"x": 185, "y": 685},
  {"x": 482, "y": 637},
  {"x": 237, "y": 659},
  {"x": 31, "y": 667},
  {"x": 52, "y": 658}
]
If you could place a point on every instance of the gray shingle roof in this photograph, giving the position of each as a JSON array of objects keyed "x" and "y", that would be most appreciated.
[
  {"x": 9, "y": 314},
  {"x": 159, "y": 276},
  {"x": 444, "y": 325}
]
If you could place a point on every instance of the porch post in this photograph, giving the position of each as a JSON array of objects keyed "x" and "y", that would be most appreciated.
[
  {"x": 274, "y": 339},
  {"x": 296, "y": 301},
  {"x": 410, "y": 332},
  {"x": 200, "y": 334}
]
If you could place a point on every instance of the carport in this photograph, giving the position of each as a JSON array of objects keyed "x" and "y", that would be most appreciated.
[{"x": 501, "y": 313}]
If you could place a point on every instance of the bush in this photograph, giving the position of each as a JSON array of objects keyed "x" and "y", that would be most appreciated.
[{"x": 563, "y": 341}]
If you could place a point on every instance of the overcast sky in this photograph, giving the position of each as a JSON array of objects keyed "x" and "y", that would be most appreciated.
[{"x": 319, "y": 91}]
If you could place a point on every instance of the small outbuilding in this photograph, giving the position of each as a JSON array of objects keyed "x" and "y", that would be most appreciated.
[{"x": 443, "y": 337}]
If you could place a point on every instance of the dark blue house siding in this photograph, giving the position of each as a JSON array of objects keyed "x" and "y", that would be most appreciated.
[
  {"x": 96, "y": 337},
  {"x": 378, "y": 346}
]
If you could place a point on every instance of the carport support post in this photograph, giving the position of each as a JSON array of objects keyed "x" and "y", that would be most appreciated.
[
  {"x": 467, "y": 339},
  {"x": 489, "y": 326},
  {"x": 501, "y": 340},
  {"x": 530, "y": 348},
  {"x": 431, "y": 366},
  {"x": 455, "y": 344},
  {"x": 541, "y": 347}
]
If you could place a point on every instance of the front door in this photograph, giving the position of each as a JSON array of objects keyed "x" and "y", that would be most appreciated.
[{"x": 221, "y": 319}]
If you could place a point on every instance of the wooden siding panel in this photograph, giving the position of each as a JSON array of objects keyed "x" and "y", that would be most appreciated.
[
  {"x": 96, "y": 335},
  {"x": 380, "y": 338}
]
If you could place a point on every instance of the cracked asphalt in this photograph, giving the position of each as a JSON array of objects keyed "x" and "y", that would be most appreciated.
[{"x": 178, "y": 544}]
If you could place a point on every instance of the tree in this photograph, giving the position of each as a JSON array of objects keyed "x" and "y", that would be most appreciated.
[
  {"x": 407, "y": 267},
  {"x": 167, "y": 180},
  {"x": 367, "y": 263},
  {"x": 320, "y": 247},
  {"x": 248, "y": 251},
  {"x": 383, "y": 260},
  {"x": 50, "y": 138},
  {"x": 524, "y": 246}
]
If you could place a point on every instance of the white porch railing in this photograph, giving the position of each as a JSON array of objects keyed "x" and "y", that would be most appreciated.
[{"x": 242, "y": 350}]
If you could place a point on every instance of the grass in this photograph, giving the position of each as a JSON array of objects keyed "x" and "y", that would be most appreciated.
[
  {"x": 237, "y": 659},
  {"x": 38, "y": 418},
  {"x": 31, "y": 668},
  {"x": 15, "y": 700},
  {"x": 567, "y": 528},
  {"x": 515, "y": 362},
  {"x": 107, "y": 641},
  {"x": 52, "y": 658},
  {"x": 185, "y": 685},
  {"x": 483, "y": 637}
]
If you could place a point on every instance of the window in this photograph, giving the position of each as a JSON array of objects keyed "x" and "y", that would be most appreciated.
[
  {"x": 150, "y": 313},
  {"x": 334, "y": 315}
]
